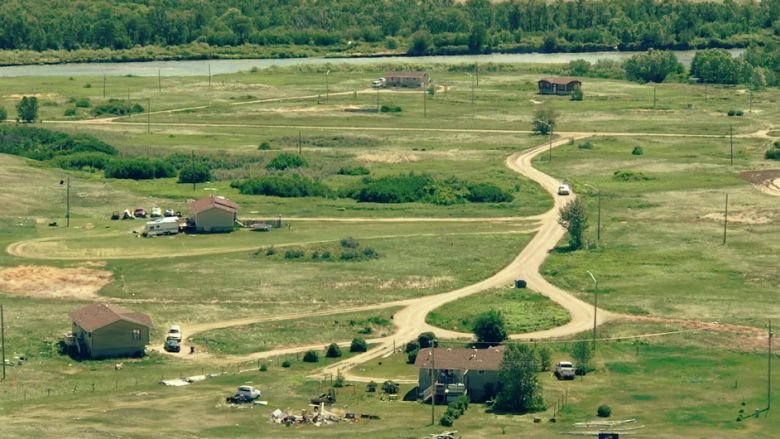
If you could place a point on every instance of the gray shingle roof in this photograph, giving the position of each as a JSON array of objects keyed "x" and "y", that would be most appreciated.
[{"x": 460, "y": 358}]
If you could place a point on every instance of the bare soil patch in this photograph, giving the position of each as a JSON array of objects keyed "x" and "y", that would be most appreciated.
[
  {"x": 767, "y": 180},
  {"x": 314, "y": 109},
  {"x": 745, "y": 218},
  {"x": 650, "y": 110},
  {"x": 36, "y": 95},
  {"x": 411, "y": 283},
  {"x": 388, "y": 158},
  {"x": 40, "y": 282}
]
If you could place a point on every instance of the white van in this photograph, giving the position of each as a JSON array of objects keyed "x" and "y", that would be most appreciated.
[
  {"x": 162, "y": 226},
  {"x": 379, "y": 83}
]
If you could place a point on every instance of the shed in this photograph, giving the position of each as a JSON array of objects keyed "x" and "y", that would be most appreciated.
[
  {"x": 458, "y": 371},
  {"x": 558, "y": 85},
  {"x": 213, "y": 214},
  {"x": 104, "y": 330},
  {"x": 407, "y": 79}
]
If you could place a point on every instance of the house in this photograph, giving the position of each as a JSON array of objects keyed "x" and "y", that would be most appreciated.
[
  {"x": 558, "y": 86},
  {"x": 105, "y": 330},
  {"x": 407, "y": 79},
  {"x": 213, "y": 214},
  {"x": 458, "y": 371}
]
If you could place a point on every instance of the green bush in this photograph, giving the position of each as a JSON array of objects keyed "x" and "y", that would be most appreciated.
[
  {"x": 286, "y": 364},
  {"x": 577, "y": 94},
  {"x": 637, "y": 151},
  {"x": 390, "y": 190},
  {"x": 390, "y": 109},
  {"x": 358, "y": 345},
  {"x": 353, "y": 170},
  {"x": 371, "y": 387},
  {"x": 426, "y": 339},
  {"x": 339, "y": 382},
  {"x": 349, "y": 242},
  {"x": 287, "y": 161},
  {"x": 294, "y": 254},
  {"x": 412, "y": 346},
  {"x": 94, "y": 160},
  {"x": 391, "y": 43},
  {"x": 194, "y": 174},
  {"x": 411, "y": 357},
  {"x": 139, "y": 169},
  {"x": 445, "y": 421},
  {"x": 325, "y": 255},
  {"x": 586, "y": 145},
  {"x": 311, "y": 357},
  {"x": 42, "y": 144},
  {"x": 390, "y": 387},
  {"x": 626, "y": 176},
  {"x": 70, "y": 112},
  {"x": 265, "y": 146},
  {"x": 117, "y": 107},
  {"x": 334, "y": 351},
  {"x": 4, "y": 114},
  {"x": 287, "y": 186},
  {"x": 263, "y": 368},
  {"x": 604, "y": 411},
  {"x": 488, "y": 193},
  {"x": 271, "y": 251},
  {"x": 452, "y": 412},
  {"x": 88, "y": 86},
  {"x": 772, "y": 154},
  {"x": 739, "y": 113},
  {"x": 732, "y": 112},
  {"x": 83, "y": 103}
]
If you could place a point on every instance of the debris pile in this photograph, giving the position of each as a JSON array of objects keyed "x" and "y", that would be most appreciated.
[
  {"x": 605, "y": 427},
  {"x": 318, "y": 417},
  {"x": 445, "y": 435}
]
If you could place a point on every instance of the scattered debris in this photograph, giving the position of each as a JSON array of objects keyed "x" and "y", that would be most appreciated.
[
  {"x": 326, "y": 398},
  {"x": 445, "y": 435},
  {"x": 119, "y": 366},
  {"x": 318, "y": 417},
  {"x": 596, "y": 424}
]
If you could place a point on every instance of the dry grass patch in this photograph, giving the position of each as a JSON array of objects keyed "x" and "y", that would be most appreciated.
[
  {"x": 410, "y": 283},
  {"x": 40, "y": 282}
]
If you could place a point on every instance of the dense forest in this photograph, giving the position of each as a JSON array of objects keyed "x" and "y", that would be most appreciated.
[{"x": 429, "y": 27}]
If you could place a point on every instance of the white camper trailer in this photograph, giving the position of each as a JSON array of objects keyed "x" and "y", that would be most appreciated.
[{"x": 162, "y": 226}]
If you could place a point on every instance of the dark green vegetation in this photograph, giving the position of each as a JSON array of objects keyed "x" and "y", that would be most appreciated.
[
  {"x": 282, "y": 185},
  {"x": 194, "y": 174},
  {"x": 224, "y": 28},
  {"x": 424, "y": 188},
  {"x": 116, "y": 107},
  {"x": 520, "y": 391},
  {"x": 139, "y": 169},
  {"x": 490, "y": 327}
]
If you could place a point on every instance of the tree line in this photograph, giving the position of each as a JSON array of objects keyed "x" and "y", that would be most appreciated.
[{"x": 437, "y": 26}]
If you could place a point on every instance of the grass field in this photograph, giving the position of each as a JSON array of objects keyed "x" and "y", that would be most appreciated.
[{"x": 523, "y": 311}]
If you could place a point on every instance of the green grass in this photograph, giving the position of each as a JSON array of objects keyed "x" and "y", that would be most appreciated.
[
  {"x": 260, "y": 337},
  {"x": 523, "y": 311},
  {"x": 394, "y": 367}
]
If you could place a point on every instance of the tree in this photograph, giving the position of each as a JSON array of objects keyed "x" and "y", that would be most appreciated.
[
  {"x": 544, "y": 119},
  {"x": 390, "y": 387},
  {"x": 311, "y": 357},
  {"x": 582, "y": 352},
  {"x": 431, "y": 91},
  {"x": 287, "y": 161},
  {"x": 758, "y": 79},
  {"x": 426, "y": 339},
  {"x": 478, "y": 37},
  {"x": 3, "y": 114},
  {"x": 544, "y": 358},
  {"x": 653, "y": 65},
  {"x": 420, "y": 43},
  {"x": 358, "y": 345},
  {"x": 520, "y": 388},
  {"x": 577, "y": 94},
  {"x": 334, "y": 351},
  {"x": 412, "y": 346},
  {"x": 411, "y": 357},
  {"x": 27, "y": 109},
  {"x": 371, "y": 387},
  {"x": 717, "y": 66},
  {"x": 604, "y": 411},
  {"x": 574, "y": 218},
  {"x": 489, "y": 327},
  {"x": 579, "y": 67},
  {"x": 194, "y": 174}
]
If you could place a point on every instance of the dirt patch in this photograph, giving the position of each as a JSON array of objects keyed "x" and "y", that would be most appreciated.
[
  {"x": 655, "y": 111},
  {"x": 412, "y": 283},
  {"x": 767, "y": 180},
  {"x": 388, "y": 158},
  {"x": 745, "y": 218},
  {"x": 314, "y": 109},
  {"x": 41, "y": 282},
  {"x": 694, "y": 324},
  {"x": 535, "y": 102},
  {"x": 36, "y": 95}
]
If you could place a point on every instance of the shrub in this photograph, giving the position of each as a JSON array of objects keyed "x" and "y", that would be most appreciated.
[
  {"x": 390, "y": 387},
  {"x": 311, "y": 357},
  {"x": 350, "y": 255},
  {"x": 117, "y": 107},
  {"x": 586, "y": 145},
  {"x": 390, "y": 190},
  {"x": 286, "y": 186},
  {"x": 544, "y": 358},
  {"x": 194, "y": 174},
  {"x": 391, "y": 43},
  {"x": 390, "y": 109},
  {"x": 452, "y": 411},
  {"x": 353, "y": 170},
  {"x": 287, "y": 161},
  {"x": 265, "y": 146},
  {"x": 325, "y": 255},
  {"x": 315, "y": 255},
  {"x": 604, "y": 411},
  {"x": 637, "y": 151},
  {"x": 95, "y": 160},
  {"x": 83, "y": 103},
  {"x": 294, "y": 254},
  {"x": 139, "y": 169},
  {"x": 358, "y": 345},
  {"x": 271, "y": 251},
  {"x": 263, "y": 368},
  {"x": 88, "y": 86},
  {"x": 411, "y": 357},
  {"x": 286, "y": 364},
  {"x": 365, "y": 330},
  {"x": 339, "y": 382},
  {"x": 732, "y": 112},
  {"x": 739, "y": 113},
  {"x": 349, "y": 242},
  {"x": 371, "y": 387},
  {"x": 369, "y": 253},
  {"x": 772, "y": 154},
  {"x": 488, "y": 193},
  {"x": 70, "y": 112},
  {"x": 412, "y": 346},
  {"x": 464, "y": 401},
  {"x": 445, "y": 421},
  {"x": 42, "y": 144},
  {"x": 577, "y": 94},
  {"x": 626, "y": 176},
  {"x": 489, "y": 327},
  {"x": 334, "y": 351},
  {"x": 426, "y": 339}
]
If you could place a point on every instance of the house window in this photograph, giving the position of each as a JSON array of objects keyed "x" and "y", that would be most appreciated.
[
  {"x": 481, "y": 372},
  {"x": 89, "y": 334},
  {"x": 136, "y": 334}
]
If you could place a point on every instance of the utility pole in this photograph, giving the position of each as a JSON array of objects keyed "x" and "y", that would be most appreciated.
[
  {"x": 751, "y": 102},
  {"x": 725, "y": 219},
  {"x": 595, "y": 308},
  {"x": 731, "y": 130},
  {"x": 148, "y": 116},
  {"x": 768, "y": 369},
  {"x": 477, "y": 64},
  {"x": 67, "y": 214},
  {"x": 193, "y": 170},
  {"x": 327, "y": 88},
  {"x": 159, "y": 81},
  {"x": 2, "y": 331},
  {"x": 433, "y": 385},
  {"x": 104, "y": 86},
  {"x": 300, "y": 148}
]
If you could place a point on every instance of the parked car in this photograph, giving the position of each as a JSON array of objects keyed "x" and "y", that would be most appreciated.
[
  {"x": 563, "y": 189},
  {"x": 139, "y": 213},
  {"x": 379, "y": 83},
  {"x": 172, "y": 345},
  {"x": 175, "y": 333},
  {"x": 156, "y": 212},
  {"x": 564, "y": 370},
  {"x": 244, "y": 394},
  {"x": 168, "y": 213}
]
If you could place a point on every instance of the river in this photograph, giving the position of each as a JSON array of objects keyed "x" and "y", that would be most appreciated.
[{"x": 224, "y": 66}]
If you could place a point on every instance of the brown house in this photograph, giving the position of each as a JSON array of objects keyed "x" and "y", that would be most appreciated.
[
  {"x": 558, "y": 86},
  {"x": 213, "y": 214},
  {"x": 457, "y": 372},
  {"x": 407, "y": 79},
  {"x": 104, "y": 330}
]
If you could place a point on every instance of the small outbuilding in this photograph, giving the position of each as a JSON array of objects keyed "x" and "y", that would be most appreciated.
[
  {"x": 104, "y": 330},
  {"x": 558, "y": 85},
  {"x": 213, "y": 214},
  {"x": 407, "y": 79},
  {"x": 458, "y": 371}
]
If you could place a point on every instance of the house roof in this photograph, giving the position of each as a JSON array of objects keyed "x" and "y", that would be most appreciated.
[
  {"x": 460, "y": 358},
  {"x": 560, "y": 80},
  {"x": 209, "y": 202},
  {"x": 98, "y": 315},
  {"x": 406, "y": 74}
]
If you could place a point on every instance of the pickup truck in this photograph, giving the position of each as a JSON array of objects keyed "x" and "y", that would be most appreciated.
[
  {"x": 172, "y": 345},
  {"x": 564, "y": 370},
  {"x": 244, "y": 394},
  {"x": 174, "y": 333}
]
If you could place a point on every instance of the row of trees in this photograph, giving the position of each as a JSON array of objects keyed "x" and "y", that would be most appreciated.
[{"x": 476, "y": 24}]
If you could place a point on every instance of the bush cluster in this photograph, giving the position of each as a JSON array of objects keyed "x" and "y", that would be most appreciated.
[
  {"x": 627, "y": 176},
  {"x": 363, "y": 255},
  {"x": 42, "y": 144},
  {"x": 390, "y": 109},
  {"x": 289, "y": 186},
  {"x": 139, "y": 169},
  {"x": 334, "y": 351},
  {"x": 353, "y": 170},
  {"x": 82, "y": 160},
  {"x": 117, "y": 107},
  {"x": 311, "y": 357},
  {"x": 586, "y": 145},
  {"x": 358, "y": 345},
  {"x": 287, "y": 161},
  {"x": 194, "y": 174},
  {"x": 423, "y": 188},
  {"x": 454, "y": 411},
  {"x": 637, "y": 151},
  {"x": 294, "y": 254},
  {"x": 212, "y": 161}
]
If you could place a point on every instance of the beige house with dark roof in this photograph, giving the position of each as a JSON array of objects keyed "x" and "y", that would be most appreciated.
[
  {"x": 213, "y": 214},
  {"x": 407, "y": 79},
  {"x": 458, "y": 371},
  {"x": 558, "y": 85},
  {"x": 105, "y": 330}
]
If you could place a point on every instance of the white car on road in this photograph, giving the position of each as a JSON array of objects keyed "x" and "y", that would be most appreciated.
[{"x": 563, "y": 189}]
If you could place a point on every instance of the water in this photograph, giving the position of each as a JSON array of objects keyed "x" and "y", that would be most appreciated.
[{"x": 222, "y": 66}]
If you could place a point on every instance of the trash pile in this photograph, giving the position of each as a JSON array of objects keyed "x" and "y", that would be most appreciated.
[
  {"x": 445, "y": 435},
  {"x": 318, "y": 417},
  {"x": 187, "y": 380}
]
